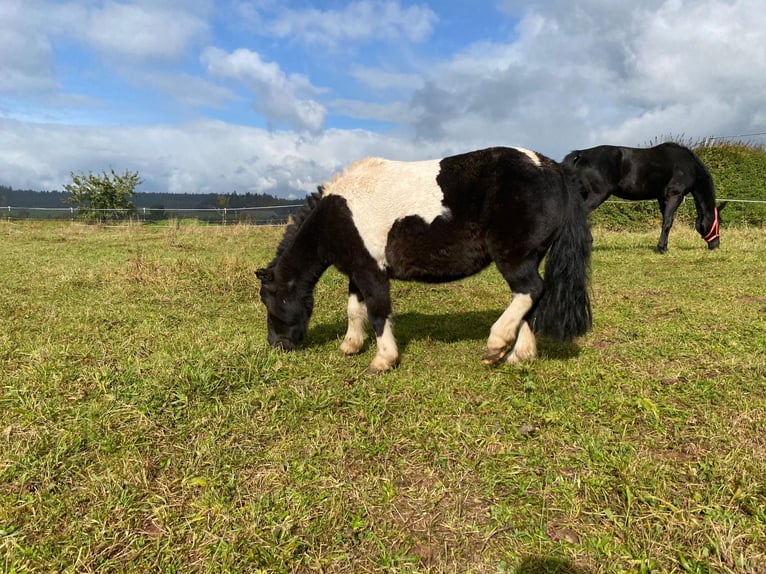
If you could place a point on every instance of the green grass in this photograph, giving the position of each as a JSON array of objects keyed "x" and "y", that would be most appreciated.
[{"x": 145, "y": 426}]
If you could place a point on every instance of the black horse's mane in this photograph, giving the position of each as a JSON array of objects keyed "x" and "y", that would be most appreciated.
[
  {"x": 573, "y": 180},
  {"x": 297, "y": 220}
]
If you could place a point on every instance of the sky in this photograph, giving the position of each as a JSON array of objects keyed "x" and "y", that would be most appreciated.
[{"x": 274, "y": 96}]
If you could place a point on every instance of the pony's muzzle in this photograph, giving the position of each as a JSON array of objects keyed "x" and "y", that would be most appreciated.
[
  {"x": 286, "y": 345},
  {"x": 282, "y": 343}
]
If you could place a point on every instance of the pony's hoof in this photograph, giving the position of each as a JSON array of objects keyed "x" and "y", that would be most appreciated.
[
  {"x": 379, "y": 366},
  {"x": 492, "y": 357},
  {"x": 516, "y": 358},
  {"x": 351, "y": 347}
]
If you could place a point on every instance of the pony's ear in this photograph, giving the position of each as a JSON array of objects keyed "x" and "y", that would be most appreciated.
[
  {"x": 572, "y": 158},
  {"x": 266, "y": 275}
]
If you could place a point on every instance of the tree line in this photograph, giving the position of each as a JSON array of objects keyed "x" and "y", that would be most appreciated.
[{"x": 154, "y": 200}]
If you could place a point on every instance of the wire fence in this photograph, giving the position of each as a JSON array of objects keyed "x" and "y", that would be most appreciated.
[
  {"x": 264, "y": 215},
  {"x": 617, "y": 212},
  {"x": 753, "y": 138},
  {"x": 719, "y": 199}
]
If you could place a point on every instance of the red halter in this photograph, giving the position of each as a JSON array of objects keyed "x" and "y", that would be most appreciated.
[{"x": 714, "y": 229}]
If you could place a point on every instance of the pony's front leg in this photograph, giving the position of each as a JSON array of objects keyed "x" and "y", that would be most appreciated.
[
  {"x": 357, "y": 316},
  {"x": 504, "y": 331},
  {"x": 377, "y": 296}
]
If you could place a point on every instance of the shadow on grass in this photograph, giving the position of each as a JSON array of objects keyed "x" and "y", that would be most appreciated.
[
  {"x": 649, "y": 247},
  {"x": 445, "y": 328},
  {"x": 549, "y": 565}
]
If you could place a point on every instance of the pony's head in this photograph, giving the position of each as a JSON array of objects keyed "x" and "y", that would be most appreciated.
[
  {"x": 709, "y": 226},
  {"x": 288, "y": 310}
]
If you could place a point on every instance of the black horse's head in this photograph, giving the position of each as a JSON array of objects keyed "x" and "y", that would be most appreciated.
[
  {"x": 288, "y": 310},
  {"x": 709, "y": 226}
]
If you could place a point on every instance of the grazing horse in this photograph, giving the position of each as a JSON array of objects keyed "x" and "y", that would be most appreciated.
[
  {"x": 666, "y": 172},
  {"x": 437, "y": 221}
]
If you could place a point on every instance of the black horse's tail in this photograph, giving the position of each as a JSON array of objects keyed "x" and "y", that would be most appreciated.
[{"x": 563, "y": 312}]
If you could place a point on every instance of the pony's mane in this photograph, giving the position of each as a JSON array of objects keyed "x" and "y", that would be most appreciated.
[
  {"x": 296, "y": 221},
  {"x": 364, "y": 163},
  {"x": 313, "y": 200}
]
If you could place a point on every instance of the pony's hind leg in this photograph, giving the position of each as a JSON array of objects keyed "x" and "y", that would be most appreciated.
[
  {"x": 387, "y": 354},
  {"x": 526, "y": 345},
  {"x": 527, "y": 286},
  {"x": 505, "y": 329},
  {"x": 357, "y": 317}
]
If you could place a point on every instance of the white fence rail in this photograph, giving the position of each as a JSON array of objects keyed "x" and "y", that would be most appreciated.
[
  {"x": 271, "y": 214},
  {"x": 264, "y": 215}
]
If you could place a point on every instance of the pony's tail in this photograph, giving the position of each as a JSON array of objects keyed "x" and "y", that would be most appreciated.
[{"x": 563, "y": 312}]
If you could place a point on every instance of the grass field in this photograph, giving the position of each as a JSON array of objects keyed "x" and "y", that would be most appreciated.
[{"x": 145, "y": 426}]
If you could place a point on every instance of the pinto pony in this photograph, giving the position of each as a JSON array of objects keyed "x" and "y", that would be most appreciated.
[
  {"x": 666, "y": 172},
  {"x": 437, "y": 221}
]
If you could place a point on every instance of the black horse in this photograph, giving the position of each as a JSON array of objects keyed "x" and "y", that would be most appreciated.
[
  {"x": 437, "y": 221},
  {"x": 666, "y": 172}
]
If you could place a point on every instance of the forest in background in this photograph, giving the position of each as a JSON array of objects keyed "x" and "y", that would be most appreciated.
[{"x": 57, "y": 199}]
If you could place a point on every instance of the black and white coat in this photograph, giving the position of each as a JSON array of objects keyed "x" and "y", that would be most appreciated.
[{"x": 436, "y": 221}]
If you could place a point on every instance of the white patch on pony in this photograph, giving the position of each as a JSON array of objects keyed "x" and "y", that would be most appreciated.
[
  {"x": 525, "y": 347},
  {"x": 379, "y": 192},
  {"x": 387, "y": 352},
  {"x": 504, "y": 331},
  {"x": 531, "y": 155},
  {"x": 357, "y": 315}
]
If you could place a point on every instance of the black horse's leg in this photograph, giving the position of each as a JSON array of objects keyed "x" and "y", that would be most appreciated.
[
  {"x": 375, "y": 288},
  {"x": 527, "y": 286},
  {"x": 668, "y": 207},
  {"x": 357, "y": 316}
]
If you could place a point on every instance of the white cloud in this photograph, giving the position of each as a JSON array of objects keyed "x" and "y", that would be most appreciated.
[
  {"x": 358, "y": 21},
  {"x": 378, "y": 79},
  {"x": 26, "y": 54},
  {"x": 203, "y": 156},
  {"x": 599, "y": 72},
  {"x": 188, "y": 90},
  {"x": 143, "y": 31},
  {"x": 689, "y": 51},
  {"x": 279, "y": 97}
]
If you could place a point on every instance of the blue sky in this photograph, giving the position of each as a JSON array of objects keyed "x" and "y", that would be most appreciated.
[{"x": 275, "y": 95}]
